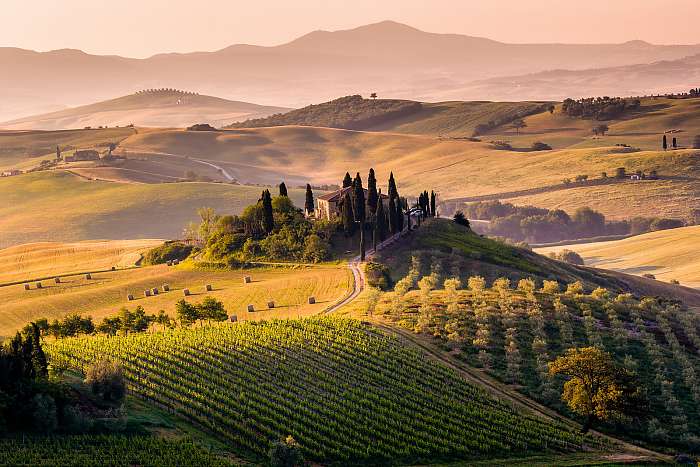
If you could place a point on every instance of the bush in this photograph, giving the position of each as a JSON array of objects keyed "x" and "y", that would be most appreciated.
[
  {"x": 664, "y": 224},
  {"x": 315, "y": 249},
  {"x": 378, "y": 276},
  {"x": 169, "y": 251},
  {"x": 222, "y": 245},
  {"x": 44, "y": 419},
  {"x": 502, "y": 145},
  {"x": 550, "y": 287},
  {"x": 106, "y": 380},
  {"x": 286, "y": 453},
  {"x": 570, "y": 257},
  {"x": 540, "y": 146}
]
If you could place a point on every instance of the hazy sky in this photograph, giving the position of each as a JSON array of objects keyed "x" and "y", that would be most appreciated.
[{"x": 139, "y": 28}]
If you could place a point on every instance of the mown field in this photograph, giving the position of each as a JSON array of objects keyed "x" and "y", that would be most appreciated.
[
  {"x": 59, "y": 206},
  {"x": 344, "y": 391},
  {"x": 106, "y": 292},
  {"x": 666, "y": 254}
]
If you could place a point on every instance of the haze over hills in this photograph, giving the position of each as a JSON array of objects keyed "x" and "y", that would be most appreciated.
[
  {"x": 387, "y": 57},
  {"x": 152, "y": 108}
]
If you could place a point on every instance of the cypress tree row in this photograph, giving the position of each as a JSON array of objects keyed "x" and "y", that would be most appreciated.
[
  {"x": 348, "y": 217},
  {"x": 372, "y": 192},
  {"x": 268, "y": 222},
  {"x": 309, "y": 203},
  {"x": 380, "y": 223},
  {"x": 283, "y": 189},
  {"x": 347, "y": 181},
  {"x": 358, "y": 198}
]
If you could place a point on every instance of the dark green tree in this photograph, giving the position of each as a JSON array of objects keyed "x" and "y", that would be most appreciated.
[
  {"x": 38, "y": 357},
  {"x": 432, "y": 203},
  {"x": 392, "y": 216},
  {"x": 347, "y": 181},
  {"x": 399, "y": 215},
  {"x": 309, "y": 203},
  {"x": 674, "y": 143},
  {"x": 372, "y": 191},
  {"x": 283, "y": 189},
  {"x": 347, "y": 214},
  {"x": 664, "y": 143},
  {"x": 268, "y": 221},
  {"x": 358, "y": 199},
  {"x": 393, "y": 192},
  {"x": 381, "y": 220}
]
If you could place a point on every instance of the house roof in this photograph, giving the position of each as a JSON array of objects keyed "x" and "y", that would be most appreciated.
[{"x": 338, "y": 194}]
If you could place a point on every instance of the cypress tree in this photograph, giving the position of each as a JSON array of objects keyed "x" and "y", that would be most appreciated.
[
  {"x": 348, "y": 217},
  {"x": 381, "y": 220},
  {"x": 432, "y": 203},
  {"x": 664, "y": 143},
  {"x": 38, "y": 356},
  {"x": 393, "y": 192},
  {"x": 358, "y": 198},
  {"x": 347, "y": 181},
  {"x": 268, "y": 221},
  {"x": 283, "y": 189},
  {"x": 392, "y": 216},
  {"x": 674, "y": 143},
  {"x": 375, "y": 234},
  {"x": 399, "y": 215},
  {"x": 309, "y": 204},
  {"x": 372, "y": 192}
]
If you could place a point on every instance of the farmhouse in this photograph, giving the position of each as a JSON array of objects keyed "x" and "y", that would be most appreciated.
[
  {"x": 83, "y": 155},
  {"x": 10, "y": 173},
  {"x": 331, "y": 204}
]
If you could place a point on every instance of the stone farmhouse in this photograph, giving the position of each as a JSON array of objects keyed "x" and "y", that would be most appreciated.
[
  {"x": 83, "y": 155},
  {"x": 330, "y": 205}
]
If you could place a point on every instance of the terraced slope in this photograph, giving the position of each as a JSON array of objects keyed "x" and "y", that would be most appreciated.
[{"x": 344, "y": 391}]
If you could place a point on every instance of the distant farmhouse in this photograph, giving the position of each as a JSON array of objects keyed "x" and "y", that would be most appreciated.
[
  {"x": 10, "y": 173},
  {"x": 83, "y": 155},
  {"x": 330, "y": 205}
]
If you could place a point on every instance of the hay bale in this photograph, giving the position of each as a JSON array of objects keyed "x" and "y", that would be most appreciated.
[
  {"x": 247, "y": 280},
  {"x": 186, "y": 292},
  {"x": 233, "y": 318},
  {"x": 38, "y": 285},
  {"x": 114, "y": 268},
  {"x": 146, "y": 293},
  {"x": 270, "y": 304},
  {"x": 312, "y": 300},
  {"x": 154, "y": 291},
  {"x": 208, "y": 287},
  {"x": 166, "y": 288},
  {"x": 251, "y": 308},
  {"x": 88, "y": 276},
  {"x": 27, "y": 286},
  {"x": 130, "y": 297},
  {"x": 57, "y": 280}
]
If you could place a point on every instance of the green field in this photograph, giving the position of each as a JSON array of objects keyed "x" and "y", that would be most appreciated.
[
  {"x": 71, "y": 208},
  {"x": 343, "y": 390}
]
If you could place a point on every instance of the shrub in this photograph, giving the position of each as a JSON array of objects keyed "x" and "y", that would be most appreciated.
[
  {"x": 44, "y": 419},
  {"x": 526, "y": 285},
  {"x": 540, "y": 146},
  {"x": 169, "y": 251},
  {"x": 649, "y": 276},
  {"x": 502, "y": 145},
  {"x": 222, "y": 245},
  {"x": 378, "y": 275},
  {"x": 315, "y": 249},
  {"x": 476, "y": 283},
  {"x": 664, "y": 224},
  {"x": 570, "y": 257},
  {"x": 106, "y": 379},
  {"x": 575, "y": 288},
  {"x": 550, "y": 287},
  {"x": 286, "y": 453}
]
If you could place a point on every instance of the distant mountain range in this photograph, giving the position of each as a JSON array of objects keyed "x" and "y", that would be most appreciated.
[
  {"x": 389, "y": 58},
  {"x": 153, "y": 108}
]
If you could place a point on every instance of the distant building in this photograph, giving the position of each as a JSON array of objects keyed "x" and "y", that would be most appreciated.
[
  {"x": 83, "y": 155},
  {"x": 10, "y": 173},
  {"x": 330, "y": 205}
]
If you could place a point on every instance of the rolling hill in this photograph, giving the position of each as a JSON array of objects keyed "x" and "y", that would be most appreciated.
[
  {"x": 152, "y": 108},
  {"x": 666, "y": 254},
  {"x": 380, "y": 57}
]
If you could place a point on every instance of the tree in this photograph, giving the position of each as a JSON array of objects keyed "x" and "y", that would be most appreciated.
[
  {"x": 598, "y": 388},
  {"x": 399, "y": 215},
  {"x": 212, "y": 309},
  {"x": 518, "y": 124},
  {"x": 664, "y": 143},
  {"x": 268, "y": 222},
  {"x": 186, "y": 313},
  {"x": 106, "y": 379},
  {"x": 393, "y": 192},
  {"x": 392, "y": 216},
  {"x": 358, "y": 200},
  {"x": 600, "y": 129},
  {"x": 620, "y": 173},
  {"x": 347, "y": 214},
  {"x": 432, "y": 204},
  {"x": 373, "y": 95},
  {"x": 58, "y": 153},
  {"x": 38, "y": 357},
  {"x": 460, "y": 219},
  {"x": 674, "y": 143},
  {"x": 347, "y": 181},
  {"x": 309, "y": 203},
  {"x": 551, "y": 109},
  {"x": 283, "y": 189},
  {"x": 286, "y": 453},
  {"x": 372, "y": 192},
  {"x": 380, "y": 220}
]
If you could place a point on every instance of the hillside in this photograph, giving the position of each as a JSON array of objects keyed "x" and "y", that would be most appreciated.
[
  {"x": 346, "y": 393},
  {"x": 74, "y": 208},
  {"x": 667, "y": 254},
  {"x": 380, "y": 57},
  {"x": 151, "y": 108},
  {"x": 401, "y": 116}
]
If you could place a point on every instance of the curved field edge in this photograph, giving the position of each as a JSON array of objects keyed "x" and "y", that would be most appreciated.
[{"x": 345, "y": 391}]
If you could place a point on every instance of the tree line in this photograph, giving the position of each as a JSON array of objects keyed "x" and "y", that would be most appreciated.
[{"x": 599, "y": 108}]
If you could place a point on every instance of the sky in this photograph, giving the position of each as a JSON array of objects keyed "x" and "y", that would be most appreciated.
[{"x": 140, "y": 28}]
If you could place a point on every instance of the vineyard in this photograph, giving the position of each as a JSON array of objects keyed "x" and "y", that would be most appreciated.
[
  {"x": 513, "y": 331},
  {"x": 343, "y": 390},
  {"x": 104, "y": 450}
]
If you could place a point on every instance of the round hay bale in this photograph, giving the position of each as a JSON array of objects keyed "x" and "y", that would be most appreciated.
[
  {"x": 130, "y": 297},
  {"x": 38, "y": 285},
  {"x": 154, "y": 291},
  {"x": 114, "y": 268},
  {"x": 166, "y": 288},
  {"x": 251, "y": 308},
  {"x": 209, "y": 287},
  {"x": 186, "y": 292},
  {"x": 247, "y": 280},
  {"x": 57, "y": 280},
  {"x": 312, "y": 300},
  {"x": 270, "y": 304},
  {"x": 88, "y": 276},
  {"x": 233, "y": 318},
  {"x": 146, "y": 293},
  {"x": 27, "y": 286}
]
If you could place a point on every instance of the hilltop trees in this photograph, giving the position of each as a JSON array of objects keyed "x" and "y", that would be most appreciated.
[
  {"x": 347, "y": 181},
  {"x": 599, "y": 108},
  {"x": 358, "y": 200},
  {"x": 283, "y": 189},
  {"x": 600, "y": 129}
]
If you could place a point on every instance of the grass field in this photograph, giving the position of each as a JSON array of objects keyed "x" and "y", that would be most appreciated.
[
  {"x": 667, "y": 254},
  {"x": 37, "y": 260},
  {"x": 60, "y": 206},
  {"x": 107, "y": 292}
]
